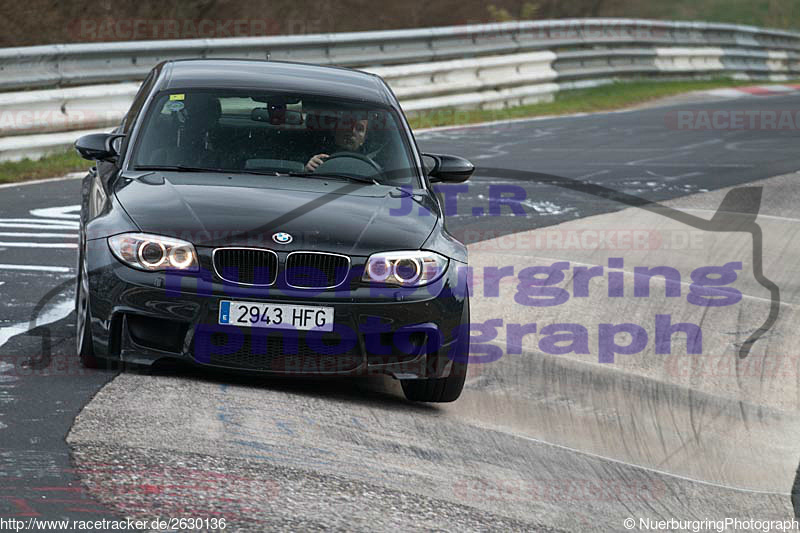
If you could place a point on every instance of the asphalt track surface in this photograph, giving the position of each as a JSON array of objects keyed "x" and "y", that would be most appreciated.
[{"x": 537, "y": 442}]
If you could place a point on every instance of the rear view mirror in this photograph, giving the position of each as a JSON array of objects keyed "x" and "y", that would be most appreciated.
[
  {"x": 98, "y": 146},
  {"x": 277, "y": 116},
  {"x": 447, "y": 168}
]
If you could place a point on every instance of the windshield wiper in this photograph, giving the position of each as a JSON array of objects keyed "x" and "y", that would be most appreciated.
[
  {"x": 371, "y": 181},
  {"x": 183, "y": 168},
  {"x": 178, "y": 168},
  {"x": 258, "y": 172}
]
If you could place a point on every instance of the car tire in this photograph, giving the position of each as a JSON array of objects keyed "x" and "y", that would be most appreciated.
[
  {"x": 437, "y": 390},
  {"x": 83, "y": 331},
  {"x": 442, "y": 390}
]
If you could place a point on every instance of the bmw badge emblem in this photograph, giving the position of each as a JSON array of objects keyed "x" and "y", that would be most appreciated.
[{"x": 282, "y": 238}]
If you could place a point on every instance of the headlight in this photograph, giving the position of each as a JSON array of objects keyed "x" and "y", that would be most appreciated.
[
  {"x": 153, "y": 252},
  {"x": 404, "y": 269}
]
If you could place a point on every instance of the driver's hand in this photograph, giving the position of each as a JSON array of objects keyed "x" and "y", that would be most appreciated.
[{"x": 316, "y": 161}]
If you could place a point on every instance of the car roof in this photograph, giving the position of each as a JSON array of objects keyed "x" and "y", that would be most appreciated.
[{"x": 282, "y": 76}]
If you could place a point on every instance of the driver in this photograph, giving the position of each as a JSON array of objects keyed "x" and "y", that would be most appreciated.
[{"x": 349, "y": 137}]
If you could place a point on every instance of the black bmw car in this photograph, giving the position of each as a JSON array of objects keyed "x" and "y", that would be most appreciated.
[{"x": 276, "y": 218}]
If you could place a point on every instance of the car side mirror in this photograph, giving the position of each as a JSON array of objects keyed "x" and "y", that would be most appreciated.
[
  {"x": 448, "y": 168},
  {"x": 98, "y": 146}
]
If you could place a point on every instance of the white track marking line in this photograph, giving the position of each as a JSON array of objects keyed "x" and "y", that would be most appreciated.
[
  {"x": 36, "y": 268},
  {"x": 37, "y": 226},
  {"x": 60, "y": 310},
  {"x": 777, "y": 88},
  {"x": 726, "y": 93},
  {"x": 680, "y": 165},
  {"x": 40, "y": 235},
  {"x": 68, "y": 223},
  {"x": 39, "y": 223},
  {"x": 65, "y": 212},
  {"x": 49, "y": 221},
  {"x": 37, "y": 245}
]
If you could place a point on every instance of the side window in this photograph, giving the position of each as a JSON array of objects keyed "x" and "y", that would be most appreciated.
[
  {"x": 138, "y": 102},
  {"x": 127, "y": 123}
]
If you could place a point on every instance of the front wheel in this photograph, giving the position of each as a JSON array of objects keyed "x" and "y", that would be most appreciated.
[
  {"x": 83, "y": 329},
  {"x": 439, "y": 390},
  {"x": 442, "y": 390}
]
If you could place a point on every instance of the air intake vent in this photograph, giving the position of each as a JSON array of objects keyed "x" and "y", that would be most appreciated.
[
  {"x": 246, "y": 266},
  {"x": 315, "y": 270},
  {"x": 285, "y": 352}
]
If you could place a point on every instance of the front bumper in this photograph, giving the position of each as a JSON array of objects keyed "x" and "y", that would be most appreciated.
[{"x": 140, "y": 317}]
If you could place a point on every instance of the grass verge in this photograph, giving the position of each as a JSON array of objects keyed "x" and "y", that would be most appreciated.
[
  {"x": 48, "y": 167},
  {"x": 606, "y": 98}
]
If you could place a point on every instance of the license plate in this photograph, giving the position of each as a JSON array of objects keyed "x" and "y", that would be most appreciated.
[{"x": 276, "y": 316}]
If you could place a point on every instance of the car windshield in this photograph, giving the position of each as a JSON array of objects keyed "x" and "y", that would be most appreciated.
[{"x": 267, "y": 133}]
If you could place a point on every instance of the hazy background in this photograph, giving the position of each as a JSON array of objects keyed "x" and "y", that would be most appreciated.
[{"x": 32, "y": 22}]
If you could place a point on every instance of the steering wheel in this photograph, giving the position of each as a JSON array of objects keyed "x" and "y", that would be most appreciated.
[{"x": 355, "y": 155}]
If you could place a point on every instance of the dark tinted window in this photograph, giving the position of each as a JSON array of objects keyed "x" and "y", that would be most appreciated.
[{"x": 274, "y": 133}]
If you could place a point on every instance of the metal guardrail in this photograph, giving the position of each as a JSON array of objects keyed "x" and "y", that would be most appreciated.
[
  {"x": 490, "y": 65},
  {"x": 78, "y": 64}
]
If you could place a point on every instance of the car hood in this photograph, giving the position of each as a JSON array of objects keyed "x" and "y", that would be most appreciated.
[{"x": 329, "y": 215}]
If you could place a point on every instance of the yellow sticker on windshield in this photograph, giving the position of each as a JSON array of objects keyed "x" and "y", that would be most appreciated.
[{"x": 176, "y": 97}]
